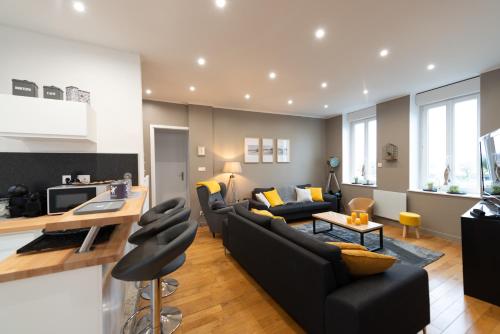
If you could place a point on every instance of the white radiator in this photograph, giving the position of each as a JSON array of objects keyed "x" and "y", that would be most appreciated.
[{"x": 389, "y": 204}]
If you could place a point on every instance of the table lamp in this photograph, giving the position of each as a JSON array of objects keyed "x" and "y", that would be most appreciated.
[{"x": 232, "y": 167}]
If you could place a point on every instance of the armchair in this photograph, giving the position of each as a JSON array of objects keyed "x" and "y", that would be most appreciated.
[
  {"x": 362, "y": 204},
  {"x": 214, "y": 207}
]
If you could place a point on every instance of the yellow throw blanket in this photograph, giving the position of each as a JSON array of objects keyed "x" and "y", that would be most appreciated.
[{"x": 213, "y": 186}]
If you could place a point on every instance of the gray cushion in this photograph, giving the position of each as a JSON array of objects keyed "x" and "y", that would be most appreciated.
[
  {"x": 287, "y": 194},
  {"x": 300, "y": 207}
]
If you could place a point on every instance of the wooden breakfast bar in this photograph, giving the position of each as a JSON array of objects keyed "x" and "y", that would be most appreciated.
[{"x": 66, "y": 291}]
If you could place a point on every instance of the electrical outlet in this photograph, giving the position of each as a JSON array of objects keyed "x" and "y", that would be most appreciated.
[
  {"x": 64, "y": 177},
  {"x": 84, "y": 178}
]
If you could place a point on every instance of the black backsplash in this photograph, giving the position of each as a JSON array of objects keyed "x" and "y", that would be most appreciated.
[{"x": 38, "y": 171}]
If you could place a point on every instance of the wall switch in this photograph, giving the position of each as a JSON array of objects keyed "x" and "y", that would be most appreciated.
[
  {"x": 65, "y": 178},
  {"x": 84, "y": 178},
  {"x": 202, "y": 169},
  {"x": 379, "y": 164}
]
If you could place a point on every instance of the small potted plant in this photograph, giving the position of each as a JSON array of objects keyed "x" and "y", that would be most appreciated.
[
  {"x": 430, "y": 186},
  {"x": 454, "y": 189},
  {"x": 356, "y": 180},
  {"x": 495, "y": 189}
]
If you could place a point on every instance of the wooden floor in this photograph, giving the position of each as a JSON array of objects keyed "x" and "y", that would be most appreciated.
[{"x": 217, "y": 296}]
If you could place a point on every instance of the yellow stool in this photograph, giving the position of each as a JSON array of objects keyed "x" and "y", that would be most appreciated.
[{"x": 410, "y": 219}]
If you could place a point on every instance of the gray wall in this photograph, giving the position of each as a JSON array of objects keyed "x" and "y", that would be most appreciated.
[
  {"x": 490, "y": 101},
  {"x": 334, "y": 143}
]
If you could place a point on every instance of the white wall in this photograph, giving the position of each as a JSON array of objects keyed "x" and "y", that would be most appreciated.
[{"x": 112, "y": 77}]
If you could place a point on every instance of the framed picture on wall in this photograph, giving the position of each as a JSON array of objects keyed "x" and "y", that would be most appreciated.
[
  {"x": 283, "y": 150},
  {"x": 252, "y": 150},
  {"x": 267, "y": 150}
]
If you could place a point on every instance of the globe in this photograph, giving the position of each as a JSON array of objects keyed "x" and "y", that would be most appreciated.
[{"x": 333, "y": 162}]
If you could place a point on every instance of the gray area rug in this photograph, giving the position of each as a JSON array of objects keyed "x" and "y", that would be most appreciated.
[{"x": 405, "y": 252}]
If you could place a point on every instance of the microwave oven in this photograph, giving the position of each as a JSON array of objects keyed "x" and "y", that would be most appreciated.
[{"x": 64, "y": 198}]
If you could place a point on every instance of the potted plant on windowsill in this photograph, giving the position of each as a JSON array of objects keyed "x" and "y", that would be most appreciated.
[
  {"x": 495, "y": 189},
  {"x": 429, "y": 186},
  {"x": 455, "y": 190}
]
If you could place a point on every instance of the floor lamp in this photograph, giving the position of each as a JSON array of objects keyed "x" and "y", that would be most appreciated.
[{"x": 232, "y": 167}]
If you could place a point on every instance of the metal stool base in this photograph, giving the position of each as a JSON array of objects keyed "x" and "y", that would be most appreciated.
[
  {"x": 171, "y": 319},
  {"x": 168, "y": 287}
]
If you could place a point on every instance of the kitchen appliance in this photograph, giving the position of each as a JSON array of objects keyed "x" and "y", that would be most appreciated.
[{"x": 64, "y": 198}]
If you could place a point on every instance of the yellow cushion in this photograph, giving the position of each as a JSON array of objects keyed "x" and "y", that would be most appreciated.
[
  {"x": 409, "y": 218},
  {"x": 364, "y": 263},
  {"x": 266, "y": 213},
  {"x": 316, "y": 194},
  {"x": 273, "y": 197},
  {"x": 213, "y": 186},
  {"x": 347, "y": 245}
]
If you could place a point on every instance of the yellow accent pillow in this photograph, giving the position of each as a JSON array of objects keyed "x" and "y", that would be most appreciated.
[
  {"x": 213, "y": 186},
  {"x": 266, "y": 213},
  {"x": 316, "y": 194},
  {"x": 364, "y": 263},
  {"x": 273, "y": 197},
  {"x": 347, "y": 245}
]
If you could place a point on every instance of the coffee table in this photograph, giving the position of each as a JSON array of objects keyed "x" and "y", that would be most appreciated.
[{"x": 338, "y": 219}]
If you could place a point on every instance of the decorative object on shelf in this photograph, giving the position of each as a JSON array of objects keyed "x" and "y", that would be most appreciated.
[
  {"x": 283, "y": 150},
  {"x": 72, "y": 94},
  {"x": 390, "y": 152},
  {"x": 118, "y": 190},
  {"x": 356, "y": 180},
  {"x": 24, "y": 88},
  {"x": 333, "y": 163},
  {"x": 267, "y": 150},
  {"x": 53, "y": 92},
  {"x": 201, "y": 151},
  {"x": 252, "y": 150},
  {"x": 84, "y": 96},
  {"x": 232, "y": 167},
  {"x": 447, "y": 175}
]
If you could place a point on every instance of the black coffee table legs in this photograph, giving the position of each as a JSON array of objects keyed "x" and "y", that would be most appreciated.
[{"x": 323, "y": 231}]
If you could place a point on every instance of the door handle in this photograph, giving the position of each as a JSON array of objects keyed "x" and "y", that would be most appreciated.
[{"x": 182, "y": 176}]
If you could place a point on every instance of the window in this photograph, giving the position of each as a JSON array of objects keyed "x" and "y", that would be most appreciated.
[
  {"x": 450, "y": 144},
  {"x": 363, "y": 159}
]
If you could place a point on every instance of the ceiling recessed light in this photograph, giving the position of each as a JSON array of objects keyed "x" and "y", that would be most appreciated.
[
  {"x": 148, "y": 91},
  {"x": 290, "y": 101},
  {"x": 384, "y": 53},
  {"x": 319, "y": 33},
  {"x": 365, "y": 91},
  {"x": 192, "y": 88},
  {"x": 247, "y": 96},
  {"x": 79, "y": 6},
  {"x": 324, "y": 84},
  {"x": 201, "y": 61},
  {"x": 272, "y": 75},
  {"x": 430, "y": 67},
  {"x": 220, "y": 3},
  {"x": 325, "y": 106}
]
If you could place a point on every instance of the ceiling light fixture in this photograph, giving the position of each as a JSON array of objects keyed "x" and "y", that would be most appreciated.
[
  {"x": 319, "y": 33},
  {"x": 324, "y": 84},
  {"x": 272, "y": 75},
  {"x": 365, "y": 91},
  {"x": 220, "y": 3},
  {"x": 384, "y": 53},
  {"x": 79, "y": 6},
  {"x": 325, "y": 106},
  {"x": 201, "y": 61},
  {"x": 247, "y": 96},
  {"x": 148, "y": 91},
  {"x": 430, "y": 67},
  {"x": 290, "y": 101},
  {"x": 192, "y": 88}
]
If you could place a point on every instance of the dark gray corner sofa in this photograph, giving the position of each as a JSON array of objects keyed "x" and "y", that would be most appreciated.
[
  {"x": 311, "y": 283},
  {"x": 292, "y": 210}
]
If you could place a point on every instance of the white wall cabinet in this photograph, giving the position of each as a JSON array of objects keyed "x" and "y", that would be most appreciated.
[{"x": 30, "y": 117}]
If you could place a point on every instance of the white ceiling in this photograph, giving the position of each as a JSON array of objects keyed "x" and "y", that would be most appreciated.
[{"x": 249, "y": 38}]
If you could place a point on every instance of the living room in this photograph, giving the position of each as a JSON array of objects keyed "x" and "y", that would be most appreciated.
[{"x": 228, "y": 166}]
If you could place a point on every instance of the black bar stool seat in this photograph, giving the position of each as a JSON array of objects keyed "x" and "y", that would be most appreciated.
[{"x": 166, "y": 208}]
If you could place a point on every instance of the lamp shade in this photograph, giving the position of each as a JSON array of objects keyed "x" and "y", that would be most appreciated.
[{"x": 232, "y": 167}]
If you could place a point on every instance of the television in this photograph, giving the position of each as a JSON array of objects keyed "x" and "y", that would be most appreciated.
[{"x": 489, "y": 146}]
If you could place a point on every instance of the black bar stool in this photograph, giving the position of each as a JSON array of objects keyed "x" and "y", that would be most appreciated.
[
  {"x": 168, "y": 285},
  {"x": 162, "y": 209},
  {"x": 151, "y": 260}
]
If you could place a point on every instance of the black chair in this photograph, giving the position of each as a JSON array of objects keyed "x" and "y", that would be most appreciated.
[
  {"x": 215, "y": 208},
  {"x": 156, "y": 257},
  {"x": 168, "y": 285},
  {"x": 160, "y": 210}
]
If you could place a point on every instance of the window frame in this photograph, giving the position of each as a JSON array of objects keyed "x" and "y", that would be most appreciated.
[
  {"x": 450, "y": 145},
  {"x": 352, "y": 124}
]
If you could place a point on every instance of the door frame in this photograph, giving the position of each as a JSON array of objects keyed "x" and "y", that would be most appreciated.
[{"x": 152, "y": 152}]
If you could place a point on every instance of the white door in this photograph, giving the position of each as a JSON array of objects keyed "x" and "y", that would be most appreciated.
[{"x": 171, "y": 152}]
